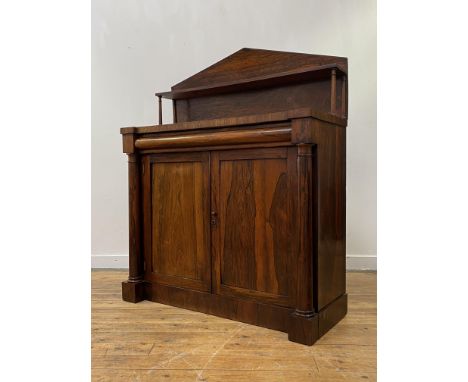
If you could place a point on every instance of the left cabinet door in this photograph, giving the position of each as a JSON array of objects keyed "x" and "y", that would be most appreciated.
[{"x": 176, "y": 233}]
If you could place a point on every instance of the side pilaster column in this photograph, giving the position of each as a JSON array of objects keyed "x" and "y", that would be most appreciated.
[
  {"x": 303, "y": 322},
  {"x": 133, "y": 288},
  {"x": 304, "y": 292},
  {"x": 134, "y": 217}
]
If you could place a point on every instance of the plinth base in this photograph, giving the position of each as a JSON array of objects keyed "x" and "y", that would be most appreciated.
[{"x": 133, "y": 291}]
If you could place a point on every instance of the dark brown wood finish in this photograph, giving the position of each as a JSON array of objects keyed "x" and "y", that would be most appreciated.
[
  {"x": 248, "y": 120},
  {"x": 254, "y": 64},
  {"x": 333, "y": 92},
  {"x": 174, "y": 111},
  {"x": 251, "y": 248},
  {"x": 132, "y": 289},
  {"x": 160, "y": 110},
  {"x": 238, "y": 208},
  {"x": 259, "y": 101},
  {"x": 178, "y": 249},
  {"x": 263, "y": 135},
  {"x": 304, "y": 266},
  {"x": 331, "y": 214}
]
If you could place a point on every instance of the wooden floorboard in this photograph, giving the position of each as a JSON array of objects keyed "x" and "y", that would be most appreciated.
[{"x": 154, "y": 342}]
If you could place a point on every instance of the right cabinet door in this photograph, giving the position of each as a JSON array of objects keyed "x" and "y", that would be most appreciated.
[{"x": 253, "y": 201}]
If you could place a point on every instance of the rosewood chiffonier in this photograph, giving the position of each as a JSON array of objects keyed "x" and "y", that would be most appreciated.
[{"x": 237, "y": 209}]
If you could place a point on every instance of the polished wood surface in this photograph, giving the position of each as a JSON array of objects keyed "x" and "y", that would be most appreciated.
[
  {"x": 330, "y": 186},
  {"x": 177, "y": 250},
  {"x": 260, "y": 81},
  {"x": 272, "y": 99},
  {"x": 132, "y": 288},
  {"x": 238, "y": 208},
  {"x": 249, "y": 64},
  {"x": 305, "y": 235},
  {"x": 263, "y": 135},
  {"x": 251, "y": 246},
  {"x": 160, "y": 110},
  {"x": 280, "y": 116},
  {"x": 154, "y": 342}
]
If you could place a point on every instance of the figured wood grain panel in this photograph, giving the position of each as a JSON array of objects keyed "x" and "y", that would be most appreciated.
[
  {"x": 251, "y": 190},
  {"x": 238, "y": 265},
  {"x": 271, "y": 244},
  {"x": 250, "y": 64},
  {"x": 330, "y": 171},
  {"x": 315, "y": 94},
  {"x": 179, "y": 220}
]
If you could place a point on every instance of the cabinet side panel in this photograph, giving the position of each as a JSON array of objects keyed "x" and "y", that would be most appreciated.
[{"x": 331, "y": 215}]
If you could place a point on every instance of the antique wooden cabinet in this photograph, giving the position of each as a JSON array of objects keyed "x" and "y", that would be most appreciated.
[{"x": 237, "y": 209}]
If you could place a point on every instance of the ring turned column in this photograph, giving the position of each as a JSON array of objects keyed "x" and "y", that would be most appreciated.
[
  {"x": 134, "y": 202},
  {"x": 132, "y": 289},
  {"x": 303, "y": 323}
]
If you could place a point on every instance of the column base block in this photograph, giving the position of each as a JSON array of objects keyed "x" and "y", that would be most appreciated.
[
  {"x": 133, "y": 292},
  {"x": 304, "y": 330},
  {"x": 307, "y": 330}
]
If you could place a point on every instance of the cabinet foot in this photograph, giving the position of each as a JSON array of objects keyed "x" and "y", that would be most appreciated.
[
  {"x": 133, "y": 291},
  {"x": 308, "y": 328},
  {"x": 303, "y": 329},
  {"x": 332, "y": 314}
]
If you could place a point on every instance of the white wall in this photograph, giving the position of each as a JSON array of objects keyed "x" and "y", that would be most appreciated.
[{"x": 143, "y": 46}]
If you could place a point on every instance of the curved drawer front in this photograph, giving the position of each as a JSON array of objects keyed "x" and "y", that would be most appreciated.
[{"x": 261, "y": 135}]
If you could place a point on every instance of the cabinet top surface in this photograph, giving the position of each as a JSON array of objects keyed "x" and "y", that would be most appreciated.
[
  {"x": 256, "y": 68},
  {"x": 281, "y": 116}
]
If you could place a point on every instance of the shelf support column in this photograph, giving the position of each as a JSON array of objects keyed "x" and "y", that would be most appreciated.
[
  {"x": 343, "y": 97},
  {"x": 174, "y": 111},
  {"x": 333, "y": 92},
  {"x": 160, "y": 109}
]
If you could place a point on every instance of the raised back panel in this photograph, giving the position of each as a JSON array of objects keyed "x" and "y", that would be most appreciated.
[
  {"x": 253, "y": 252},
  {"x": 178, "y": 248},
  {"x": 310, "y": 94}
]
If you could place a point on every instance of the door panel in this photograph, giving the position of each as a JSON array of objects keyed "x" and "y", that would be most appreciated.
[
  {"x": 176, "y": 208},
  {"x": 251, "y": 192}
]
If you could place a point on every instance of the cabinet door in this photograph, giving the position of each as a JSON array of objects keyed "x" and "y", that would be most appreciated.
[
  {"x": 176, "y": 219},
  {"x": 252, "y": 210}
]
